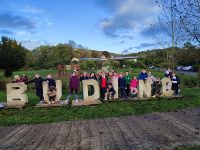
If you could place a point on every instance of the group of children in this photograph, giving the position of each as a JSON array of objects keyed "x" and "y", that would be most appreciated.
[{"x": 127, "y": 85}]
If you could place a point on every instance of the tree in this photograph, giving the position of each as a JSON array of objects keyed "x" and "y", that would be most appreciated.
[
  {"x": 190, "y": 19},
  {"x": 13, "y": 55},
  {"x": 170, "y": 23},
  {"x": 106, "y": 54}
]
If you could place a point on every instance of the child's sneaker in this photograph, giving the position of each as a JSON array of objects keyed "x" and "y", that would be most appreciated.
[
  {"x": 76, "y": 101},
  {"x": 105, "y": 99},
  {"x": 67, "y": 102}
]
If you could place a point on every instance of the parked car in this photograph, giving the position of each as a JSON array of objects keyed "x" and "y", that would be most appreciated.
[
  {"x": 184, "y": 68},
  {"x": 187, "y": 68},
  {"x": 152, "y": 67}
]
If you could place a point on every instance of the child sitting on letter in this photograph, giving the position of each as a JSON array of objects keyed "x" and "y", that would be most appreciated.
[
  {"x": 110, "y": 92},
  {"x": 157, "y": 87},
  {"x": 52, "y": 94}
]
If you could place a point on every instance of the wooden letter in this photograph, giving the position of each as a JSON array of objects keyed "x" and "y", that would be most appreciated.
[
  {"x": 167, "y": 87},
  {"x": 58, "y": 88},
  {"x": 96, "y": 94},
  {"x": 145, "y": 88},
  {"x": 15, "y": 94}
]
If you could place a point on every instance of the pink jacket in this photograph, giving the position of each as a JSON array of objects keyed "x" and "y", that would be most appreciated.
[{"x": 134, "y": 83}]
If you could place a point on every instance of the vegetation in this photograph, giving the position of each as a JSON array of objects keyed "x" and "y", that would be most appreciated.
[{"x": 13, "y": 55}]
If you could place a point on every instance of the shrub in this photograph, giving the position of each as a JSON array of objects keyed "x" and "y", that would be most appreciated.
[{"x": 189, "y": 81}]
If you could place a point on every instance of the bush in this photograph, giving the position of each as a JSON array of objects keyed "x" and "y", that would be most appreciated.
[{"x": 189, "y": 81}]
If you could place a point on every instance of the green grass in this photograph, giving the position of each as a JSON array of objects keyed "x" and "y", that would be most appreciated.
[
  {"x": 32, "y": 115},
  {"x": 188, "y": 148}
]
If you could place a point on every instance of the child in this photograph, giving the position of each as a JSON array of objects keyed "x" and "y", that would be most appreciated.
[
  {"x": 24, "y": 78},
  {"x": 91, "y": 88},
  {"x": 175, "y": 83},
  {"x": 16, "y": 79},
  {"x": 52, "y": 94},
  {"x": 168, "y": 73},
  {"x": 110, "y": 92},
  {"x": 128, "y": 80},
  {"x": 122, "y": 86},
  {"x": 157, "y": 87},
  {"x": 50, "y": 81},
  {"x": 84, "y": 76},
  {"x": 38, "y": 85},
  {"x": 143, "y": 75},
  {"x": 133, "y": 87},
  {"x": 93, "y": 76},
  {"x": 73, "y": 86},
  {"x": 103, "y": 80}
]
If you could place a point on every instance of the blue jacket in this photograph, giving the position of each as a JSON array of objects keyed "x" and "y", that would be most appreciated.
[
  {"x": 122, "y": 82},
  {"x": 143, "y": 76}
]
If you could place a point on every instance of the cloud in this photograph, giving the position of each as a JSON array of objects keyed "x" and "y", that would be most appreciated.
[
  {"x": 127, "y": 15},
  {"x": 6, "y": 32},
  {"x": 31, "y": 44},
  {"x": 153, "y": 30},
  {"x": 32, "y": 10},
  {"x": 8, "y": 20},
  {"x": 145, "y": 45}
]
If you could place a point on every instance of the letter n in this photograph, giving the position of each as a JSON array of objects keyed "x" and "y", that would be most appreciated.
[{"x": 145, "y": 89}]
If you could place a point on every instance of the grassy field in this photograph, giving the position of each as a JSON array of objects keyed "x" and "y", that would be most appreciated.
[{"x": 32, "y": 115}]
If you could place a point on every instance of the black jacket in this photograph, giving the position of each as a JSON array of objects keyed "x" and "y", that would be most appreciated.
[
  {"x": 38, "y": 82},
  {"x": 51, "y": 82}
]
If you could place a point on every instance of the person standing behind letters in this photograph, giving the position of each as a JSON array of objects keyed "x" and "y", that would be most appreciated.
[
  {"x": 73, "y": 86},
  {"x": 128, "y": 80},
  {"x": 133, "y": 86},
  {"x": 50, "y": 81},
  {"x": 122, "y": 86},
  {"x": 143, "y": 75},
  {"x": 38, "y": 86},
  {"x": 175, "y": 83},
  {"x": 103, "y": 81}
]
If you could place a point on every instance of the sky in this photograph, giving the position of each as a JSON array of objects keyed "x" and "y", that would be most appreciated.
[{"x": 112, "y": 25}]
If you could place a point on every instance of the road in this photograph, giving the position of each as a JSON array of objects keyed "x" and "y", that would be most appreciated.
[
  {"x": 191, "y": 73},
  {"x": 166, "y": 130}
]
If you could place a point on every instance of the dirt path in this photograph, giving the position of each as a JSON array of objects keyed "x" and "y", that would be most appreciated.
[{"x": 152, "y": 131}]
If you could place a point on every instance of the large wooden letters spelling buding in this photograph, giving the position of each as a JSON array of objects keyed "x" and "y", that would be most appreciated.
[
  {"x": 15, "y": 94},
  {"x": 144, "y": 88}
]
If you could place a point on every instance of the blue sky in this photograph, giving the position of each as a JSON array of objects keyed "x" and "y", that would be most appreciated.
[{"x": 113, "y": 25}]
